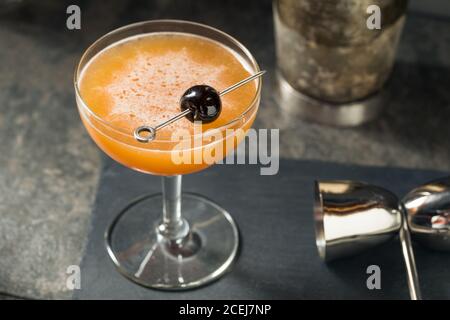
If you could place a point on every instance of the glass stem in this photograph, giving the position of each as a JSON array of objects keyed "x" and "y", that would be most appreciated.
[{"x": 173, "y": 226}]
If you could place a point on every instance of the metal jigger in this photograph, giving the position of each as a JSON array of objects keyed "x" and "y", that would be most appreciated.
[
  {"x": 428, "y": 208},
  {"x": 351, "y": 217}
]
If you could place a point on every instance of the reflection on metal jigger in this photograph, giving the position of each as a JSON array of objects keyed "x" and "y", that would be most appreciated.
[
  {"x": 351, "y": 217},
  {"x": 428, "y": 208}
]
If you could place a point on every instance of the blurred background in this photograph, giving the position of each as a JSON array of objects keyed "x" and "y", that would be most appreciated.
[{"x": 49, "y": 168}]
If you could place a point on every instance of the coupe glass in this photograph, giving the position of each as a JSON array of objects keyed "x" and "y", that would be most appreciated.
[{"x": 171, "y": 240}]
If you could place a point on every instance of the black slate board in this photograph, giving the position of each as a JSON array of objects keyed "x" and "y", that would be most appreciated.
[{"x": 278, "y": 258}]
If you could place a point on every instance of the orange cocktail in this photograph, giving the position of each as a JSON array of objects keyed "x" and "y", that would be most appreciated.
[
  {"x": 139, "y": 81},
  {"x": 135, "y": 76}
]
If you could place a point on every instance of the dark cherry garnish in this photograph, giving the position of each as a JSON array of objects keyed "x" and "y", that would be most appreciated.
[
  {"x": 198, "y": 103},
  {"x": 203, "y": 101}
]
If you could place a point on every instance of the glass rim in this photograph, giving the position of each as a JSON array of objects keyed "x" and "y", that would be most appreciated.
[{"x": 122, "y": 131}]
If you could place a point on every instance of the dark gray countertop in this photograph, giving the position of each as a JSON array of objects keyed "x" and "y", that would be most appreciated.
[
  {"x": 49, "y": 168},
  {"x": 278, "y": 257}
]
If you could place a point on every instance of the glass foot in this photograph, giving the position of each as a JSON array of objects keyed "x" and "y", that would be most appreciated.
[{"x": 142, "y": 254}]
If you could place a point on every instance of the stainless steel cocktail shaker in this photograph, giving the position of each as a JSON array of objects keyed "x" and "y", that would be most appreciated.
[{"x": 331, "y": 65}]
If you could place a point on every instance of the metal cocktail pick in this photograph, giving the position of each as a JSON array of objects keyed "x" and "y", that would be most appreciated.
[{"x": 151, "y": 131}]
